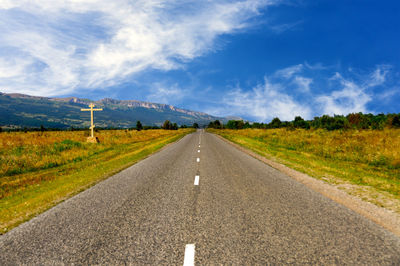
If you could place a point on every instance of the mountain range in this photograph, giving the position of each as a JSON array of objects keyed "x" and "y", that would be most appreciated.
[{"x": 20, "y": 110}]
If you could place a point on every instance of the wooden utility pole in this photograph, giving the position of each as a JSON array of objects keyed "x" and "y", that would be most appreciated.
[{"x": 92, "y": 138}]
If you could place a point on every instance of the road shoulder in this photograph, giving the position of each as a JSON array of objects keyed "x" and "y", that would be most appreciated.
[{"x": 385, "y": 218}]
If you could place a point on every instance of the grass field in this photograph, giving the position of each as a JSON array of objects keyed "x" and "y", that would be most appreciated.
[
  {"x": 40, "y": 169},
  {"x": 367, "y": 159}
]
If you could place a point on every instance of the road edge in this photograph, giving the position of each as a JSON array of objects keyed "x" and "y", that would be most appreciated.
[
  {"x": 85, "y": 187},
  {"x": 381, "y": 216}
]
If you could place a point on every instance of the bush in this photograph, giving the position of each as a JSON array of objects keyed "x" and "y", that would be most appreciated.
[
  {"x": 299, "y": 122},
  {"x": 235, "y": 124},
  {"x": 168, "y": 125},
  {"x": 396, "y": 121},
  {"x": 139, "y": 126},
  {"x": 275, "y": 123},
  {"x": 336, "y": 122},
  {"x": 216, "y": 124}
]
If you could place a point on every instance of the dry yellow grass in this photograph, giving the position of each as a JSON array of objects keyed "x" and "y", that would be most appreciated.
[
  {"x": 39, "y": 169},
  {"x": 32, "y": 151}
]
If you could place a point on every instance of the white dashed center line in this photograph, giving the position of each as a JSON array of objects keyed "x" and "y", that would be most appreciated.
[
  {"x": 198, "y": 150},
  {"x": 196, "y": 180},
  {"x": 198, "y": 160},
  {"x": 189, "y": 255}
]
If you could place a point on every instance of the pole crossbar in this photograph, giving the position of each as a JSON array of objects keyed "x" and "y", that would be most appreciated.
[{"x": 91, "y": 116}]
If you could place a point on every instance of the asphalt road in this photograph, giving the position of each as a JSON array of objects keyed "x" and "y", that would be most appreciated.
[{"x": 242, "y": 212}]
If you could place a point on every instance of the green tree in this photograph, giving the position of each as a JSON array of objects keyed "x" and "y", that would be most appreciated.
[
  {"x": 195, "y": 125},
  {"x": 167, "y": 125},
  {"x": 275, "y": 123},
  {"x": 396, "y": 121},
  {"x": 139, "y": 126},
  {"x": 215, "y": 124},
  {"x": 258, "y": 125},
  {"x": 299, "y": 122}
]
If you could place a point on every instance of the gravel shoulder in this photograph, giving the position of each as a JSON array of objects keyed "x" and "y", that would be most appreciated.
[{"x": 384, "y": 217}]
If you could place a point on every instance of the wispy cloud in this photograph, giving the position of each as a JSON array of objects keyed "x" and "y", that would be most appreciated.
[
  {"x": 316, "y": 66},
  {"x": 285, "y": 27},
  {"x": 353, "y": 95},
  {"x": 303, "y": 83},
  {"x": 378, "y": 77},
  {"x": 265, "y": 102},
  {"x": 350, "y": 98},
  {"x": 59, "y": 46},
  {"x": 276, "y": 97},
  {"x": 289, "y": 71},
  {"x": 166, "y": 93},
  {"x": 389, "y": 94}
]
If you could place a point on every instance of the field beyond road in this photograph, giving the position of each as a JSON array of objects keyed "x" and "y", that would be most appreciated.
[
  {"x": 40, "y": 169},
  {"x": 365, "y": 163}
]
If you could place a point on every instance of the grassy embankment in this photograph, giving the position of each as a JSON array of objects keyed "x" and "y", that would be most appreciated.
[
  {"x": 38, "y": 170},
  {"x": 365, "y": 163}
]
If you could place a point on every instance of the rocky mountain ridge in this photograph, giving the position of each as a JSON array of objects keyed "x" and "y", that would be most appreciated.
[{"x": 25, "y": 110}]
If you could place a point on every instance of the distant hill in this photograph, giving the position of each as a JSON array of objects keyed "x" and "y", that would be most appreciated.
[{"x": 19, "y": 110}]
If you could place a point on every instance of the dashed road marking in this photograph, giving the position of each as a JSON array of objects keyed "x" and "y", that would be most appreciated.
[
  {"x": 189, "y": 255},
  {"x": 196, "y": 180},
  {"x": 198, "y": 150},
  {"x": 198, "y": 160}
]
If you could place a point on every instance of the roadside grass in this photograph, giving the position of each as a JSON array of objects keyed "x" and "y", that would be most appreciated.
[
  {"x": 365, "y": 163},
  {"x": 41, "y": 169}
]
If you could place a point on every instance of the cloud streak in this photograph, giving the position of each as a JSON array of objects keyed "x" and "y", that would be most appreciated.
[
  {"x": 265, "y": 102},
  {"x": 88, "y": 44},
  {"x": 275, "y": 97}
]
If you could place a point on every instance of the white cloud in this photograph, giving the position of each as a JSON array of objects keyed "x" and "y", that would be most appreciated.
[
  {"x": 285, "y": 27},
  {"x": 12, "y": 67},
  {"x": 265, "y": 102},
  {"x": 389, "y": 94},
  {"x": 303, "y": 83},
  {"x": 316, "y": 66},
  {"x": 289, "y": 71},
  {"x": 163, "y": 93},
  {"x": 275, "y": 98},
  {"x": 97, "y": 43},
  {"x": 351, "y": 98},
  {"x": 378, "y": 77},
  {"x": 354, "y": 96}
]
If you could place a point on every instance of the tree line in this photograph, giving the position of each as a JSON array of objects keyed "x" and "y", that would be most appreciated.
[
  {"x": 168, "y": 125},
  {"x": 351, "y": 121}
]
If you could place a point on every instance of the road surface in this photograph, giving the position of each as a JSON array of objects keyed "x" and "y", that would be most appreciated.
[{"x": 206, "y": 203}]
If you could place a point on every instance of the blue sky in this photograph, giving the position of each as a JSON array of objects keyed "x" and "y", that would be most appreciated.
[{"x": 257, "y": 59}]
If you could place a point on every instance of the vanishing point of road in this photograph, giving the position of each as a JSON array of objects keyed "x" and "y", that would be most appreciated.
[{"x": 202, "y": 201}]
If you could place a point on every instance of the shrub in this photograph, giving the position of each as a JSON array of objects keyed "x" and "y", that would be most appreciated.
[
  {"x": 396, "y": 121},
  {"x": 275, "y": 123},
  {"x": 166, "y": 125},
  {"x": 139, "y": 126}
]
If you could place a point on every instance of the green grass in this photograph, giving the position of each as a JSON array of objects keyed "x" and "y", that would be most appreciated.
[{"x": 31, "y": 191}]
